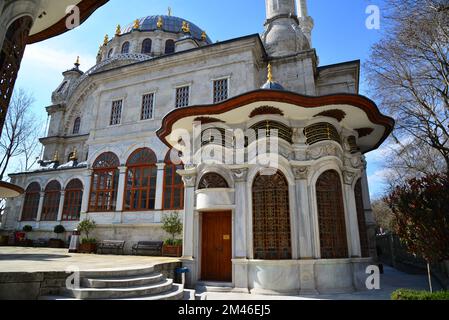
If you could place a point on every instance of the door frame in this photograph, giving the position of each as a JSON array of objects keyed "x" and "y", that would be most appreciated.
[{"x": 199, "y": 245}]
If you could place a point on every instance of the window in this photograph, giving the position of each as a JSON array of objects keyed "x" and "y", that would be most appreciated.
[
  {"x": 173, "y": 184},
  {"x": 212, "y": 181},
  {"x": 125, "y": 47},
  {"x": 271, "y": 218},
  {"x": 169, "y": 46},
  {"x": 61, "y": 88},
  {"x": 220, "y": 90},
  {"x": 51, "y": 201},
  {"x": 116, "y": 113},
  {"x": 31, "y": 203},
  {"x": 77, "y": 125},
  {"x": 72, "y": 201},
  {"x": 182, "y": 97},
  {"x": 146, "y": 46},
  {"x": 331, "y": 216},
  {"x": 147, "y": 106},
  {"x": 103, "y": 192},
  {"x": 110, "y": 53},
  {"x": 141, "y": 176},
  {"x": 361, "y": 219}
]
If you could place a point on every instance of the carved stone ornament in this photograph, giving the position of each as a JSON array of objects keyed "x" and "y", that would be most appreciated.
[
  {"x": 240, "y": 175},
  {"x": 189, "y": 181},
  {"x": 301, "y": 173},
  {"x": 348, "y": 177}
]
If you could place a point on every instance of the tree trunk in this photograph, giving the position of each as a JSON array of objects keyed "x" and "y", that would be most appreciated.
[{"x": 430, "y": 277}]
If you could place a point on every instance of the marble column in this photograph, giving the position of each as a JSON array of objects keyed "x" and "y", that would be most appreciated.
[
  {"x": 61, "y": 206},
  {"x": 240, "y": 219},
  {"x": 353, "y": 227},
  {"x": 369, "y": 217},
  {"x": 304, "y": 219},
  {"x": 41, "y": 205},
  {"x": 159, "y": 186},
  {"x": 86, "y": 192},
  {"x": 120, "y": 189}
]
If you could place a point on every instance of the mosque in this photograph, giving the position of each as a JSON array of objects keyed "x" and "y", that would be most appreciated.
[{"x": 259, "y": 148}]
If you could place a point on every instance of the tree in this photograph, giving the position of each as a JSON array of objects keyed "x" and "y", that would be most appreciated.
[
  {"x": 408, "y": 72},
  {"x": 421, "y": 217},
  {"x": 87, "y": 226},
  {"x": 20, "y": 134},
  {"x": 172, "y": 224},
  {"x": 383, "y": 215}
]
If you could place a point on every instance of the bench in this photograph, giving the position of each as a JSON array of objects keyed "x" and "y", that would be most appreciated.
[
  {"x": 112, "y": 245},
  {"x": 150, "y": 247}
]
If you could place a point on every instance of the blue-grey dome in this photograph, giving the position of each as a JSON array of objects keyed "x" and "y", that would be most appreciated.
[
  {"x": 270, "y": 85},
  {"x": 169, "y": 24}
]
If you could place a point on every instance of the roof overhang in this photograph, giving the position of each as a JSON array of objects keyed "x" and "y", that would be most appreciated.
[
  {"x": 360, "y": 114},
  {"x": 8, "y": 190},
  {"x": 53, "y": 22}
]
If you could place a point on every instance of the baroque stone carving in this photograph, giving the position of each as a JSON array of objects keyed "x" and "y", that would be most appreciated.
[
  {"x": 348, "y": 177},
  {"x": 189, "y": 181},
  {"x": 337, "y": 114},
  {"x": 301, "y": 173},
  {"x": 240, "y": 175},
  {"x": 264, "y": 110}
]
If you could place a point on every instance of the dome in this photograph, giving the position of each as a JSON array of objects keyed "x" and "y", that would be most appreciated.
[
  {"x": 169, "y": 24},
  {"x": 270, "y": 85}
]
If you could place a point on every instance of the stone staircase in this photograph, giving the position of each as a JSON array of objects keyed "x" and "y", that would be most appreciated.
[{"x": 129, "y": 284}]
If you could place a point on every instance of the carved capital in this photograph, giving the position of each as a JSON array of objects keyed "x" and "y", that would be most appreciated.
[
  {"x": 240, "y": 175},
  {"x": 348, "y": 177},
  {"x": 301, "y": 173},
  {"x": 189, "y": 181}
]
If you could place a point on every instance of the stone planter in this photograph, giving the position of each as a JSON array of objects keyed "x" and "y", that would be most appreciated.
[
  {"x": 88, "y": 248},
  {"x": 56, "y": 243},
  {"x": 4, "y": 241},
  {"x": 172, "y": 251}
]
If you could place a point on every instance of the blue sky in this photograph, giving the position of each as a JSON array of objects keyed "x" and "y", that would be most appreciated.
[{"x": 339, "y": 35}]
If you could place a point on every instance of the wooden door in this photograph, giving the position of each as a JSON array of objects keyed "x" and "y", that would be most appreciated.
[{"x": 216, "y": 264}]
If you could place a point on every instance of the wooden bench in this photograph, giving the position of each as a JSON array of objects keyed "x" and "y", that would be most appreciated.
[
  {"x": 112, "y": 245},
  {"x": 150, "y": 247}
]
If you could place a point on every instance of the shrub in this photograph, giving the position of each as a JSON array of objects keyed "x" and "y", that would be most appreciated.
[
  {"x": 59, "y": 229},
  {"x": 88, "y": 241},
  {"x": 172, "y": 224},
  {"x": 27, "y": 229},
  {"x": 405, "y": 294},
  {"x": 87, "y": 226},
  {"x": 171, "y": 242}
]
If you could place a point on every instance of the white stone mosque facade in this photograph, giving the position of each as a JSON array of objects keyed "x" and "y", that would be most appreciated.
[{"x": 300, "y": 222}]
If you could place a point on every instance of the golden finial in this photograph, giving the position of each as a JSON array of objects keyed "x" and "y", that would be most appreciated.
[
  {"x": 169, "y": 11},
  {"x": 77, "y": 62},
  {"x": 270, "y": 73},
  {"x": 203, "y": 36},
  {"x": 136, "y": 24},
  {"x": 106, "y": 40},
  {"x": 56, "y": 156},
  {"x": 160, "y": 23},
  {"x": 185, "y": 27},
  {"x": 74, "y": 155},
  {"x": 118, "y": 31}
]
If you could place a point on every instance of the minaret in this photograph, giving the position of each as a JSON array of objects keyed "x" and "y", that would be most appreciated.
[
  {"x": 283, "y": 35},
  {"x": 305, "y": 21}
]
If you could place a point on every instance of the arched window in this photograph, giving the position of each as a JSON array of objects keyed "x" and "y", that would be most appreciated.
[
  {"x": 146, "y": 46},
  {"x": 125, "y": 47},
  {"x": 173, "y": 184},
  {"x": 72, "y": 201},
  {"x": 331, "y": 216},
  {"x": 361, "y": 219},
  {"x": 169, "y": 46},
  {"x": 141, "y": 176},
  {"x": 77, "y": 125},
  {"x": 51, "y": 201},
  {"x": 271, "y": 218},
  {"x": 103, "y": 187},
  {"x": 212, "y": 181},
  {"x": 31, "y": 202}
]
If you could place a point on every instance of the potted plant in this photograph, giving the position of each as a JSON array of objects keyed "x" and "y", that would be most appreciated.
[
  {"x": 88, "y": 245},
  {"x": 57, "y": 243},
  {"x": 172, "y": 224},
  {"x": 23, "y": 240}
]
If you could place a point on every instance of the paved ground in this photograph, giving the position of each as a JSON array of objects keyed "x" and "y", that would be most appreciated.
[{"x": 13, "y": 259}]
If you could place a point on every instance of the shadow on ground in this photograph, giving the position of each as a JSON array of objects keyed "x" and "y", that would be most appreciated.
[{"x": 32, "y": 257}]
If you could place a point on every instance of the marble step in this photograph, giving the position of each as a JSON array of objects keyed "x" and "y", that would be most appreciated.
[
  {"x": 121, "y": 282},
  {"x": 177, "y": 292},
  {"x": 120, "y": 293},
  {"x": 106, "y": 273}
]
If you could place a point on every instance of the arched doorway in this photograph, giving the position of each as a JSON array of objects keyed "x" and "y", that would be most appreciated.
[{"x": 271, "y": 218}]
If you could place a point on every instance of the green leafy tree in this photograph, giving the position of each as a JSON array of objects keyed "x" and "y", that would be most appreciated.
[
  {"x": 172, "y": 224},
  {"x": 87, "y": 226},
  {"x": 421, "y": 217}
]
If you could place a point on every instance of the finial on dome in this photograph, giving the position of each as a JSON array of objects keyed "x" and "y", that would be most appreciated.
[
  {"x": 56, "y": 156},
  {"x": 106, "y": 40},
  {"x": 185, "y": 27},
  {"x": 136, "y": 24},
  {"x": 204, "y": 36},
  {"x": 118, "y": 31},
  {"x": 169, "y": 11},
  {"x": 74, "y": 155},
  {"x": 77, "y": 62},
  {"x": 160, "y": 22},
  {"x": 270, "y": 73}
]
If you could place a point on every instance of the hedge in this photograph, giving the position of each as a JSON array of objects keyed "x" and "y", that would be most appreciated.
[{"x": 404, "y": 294}]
